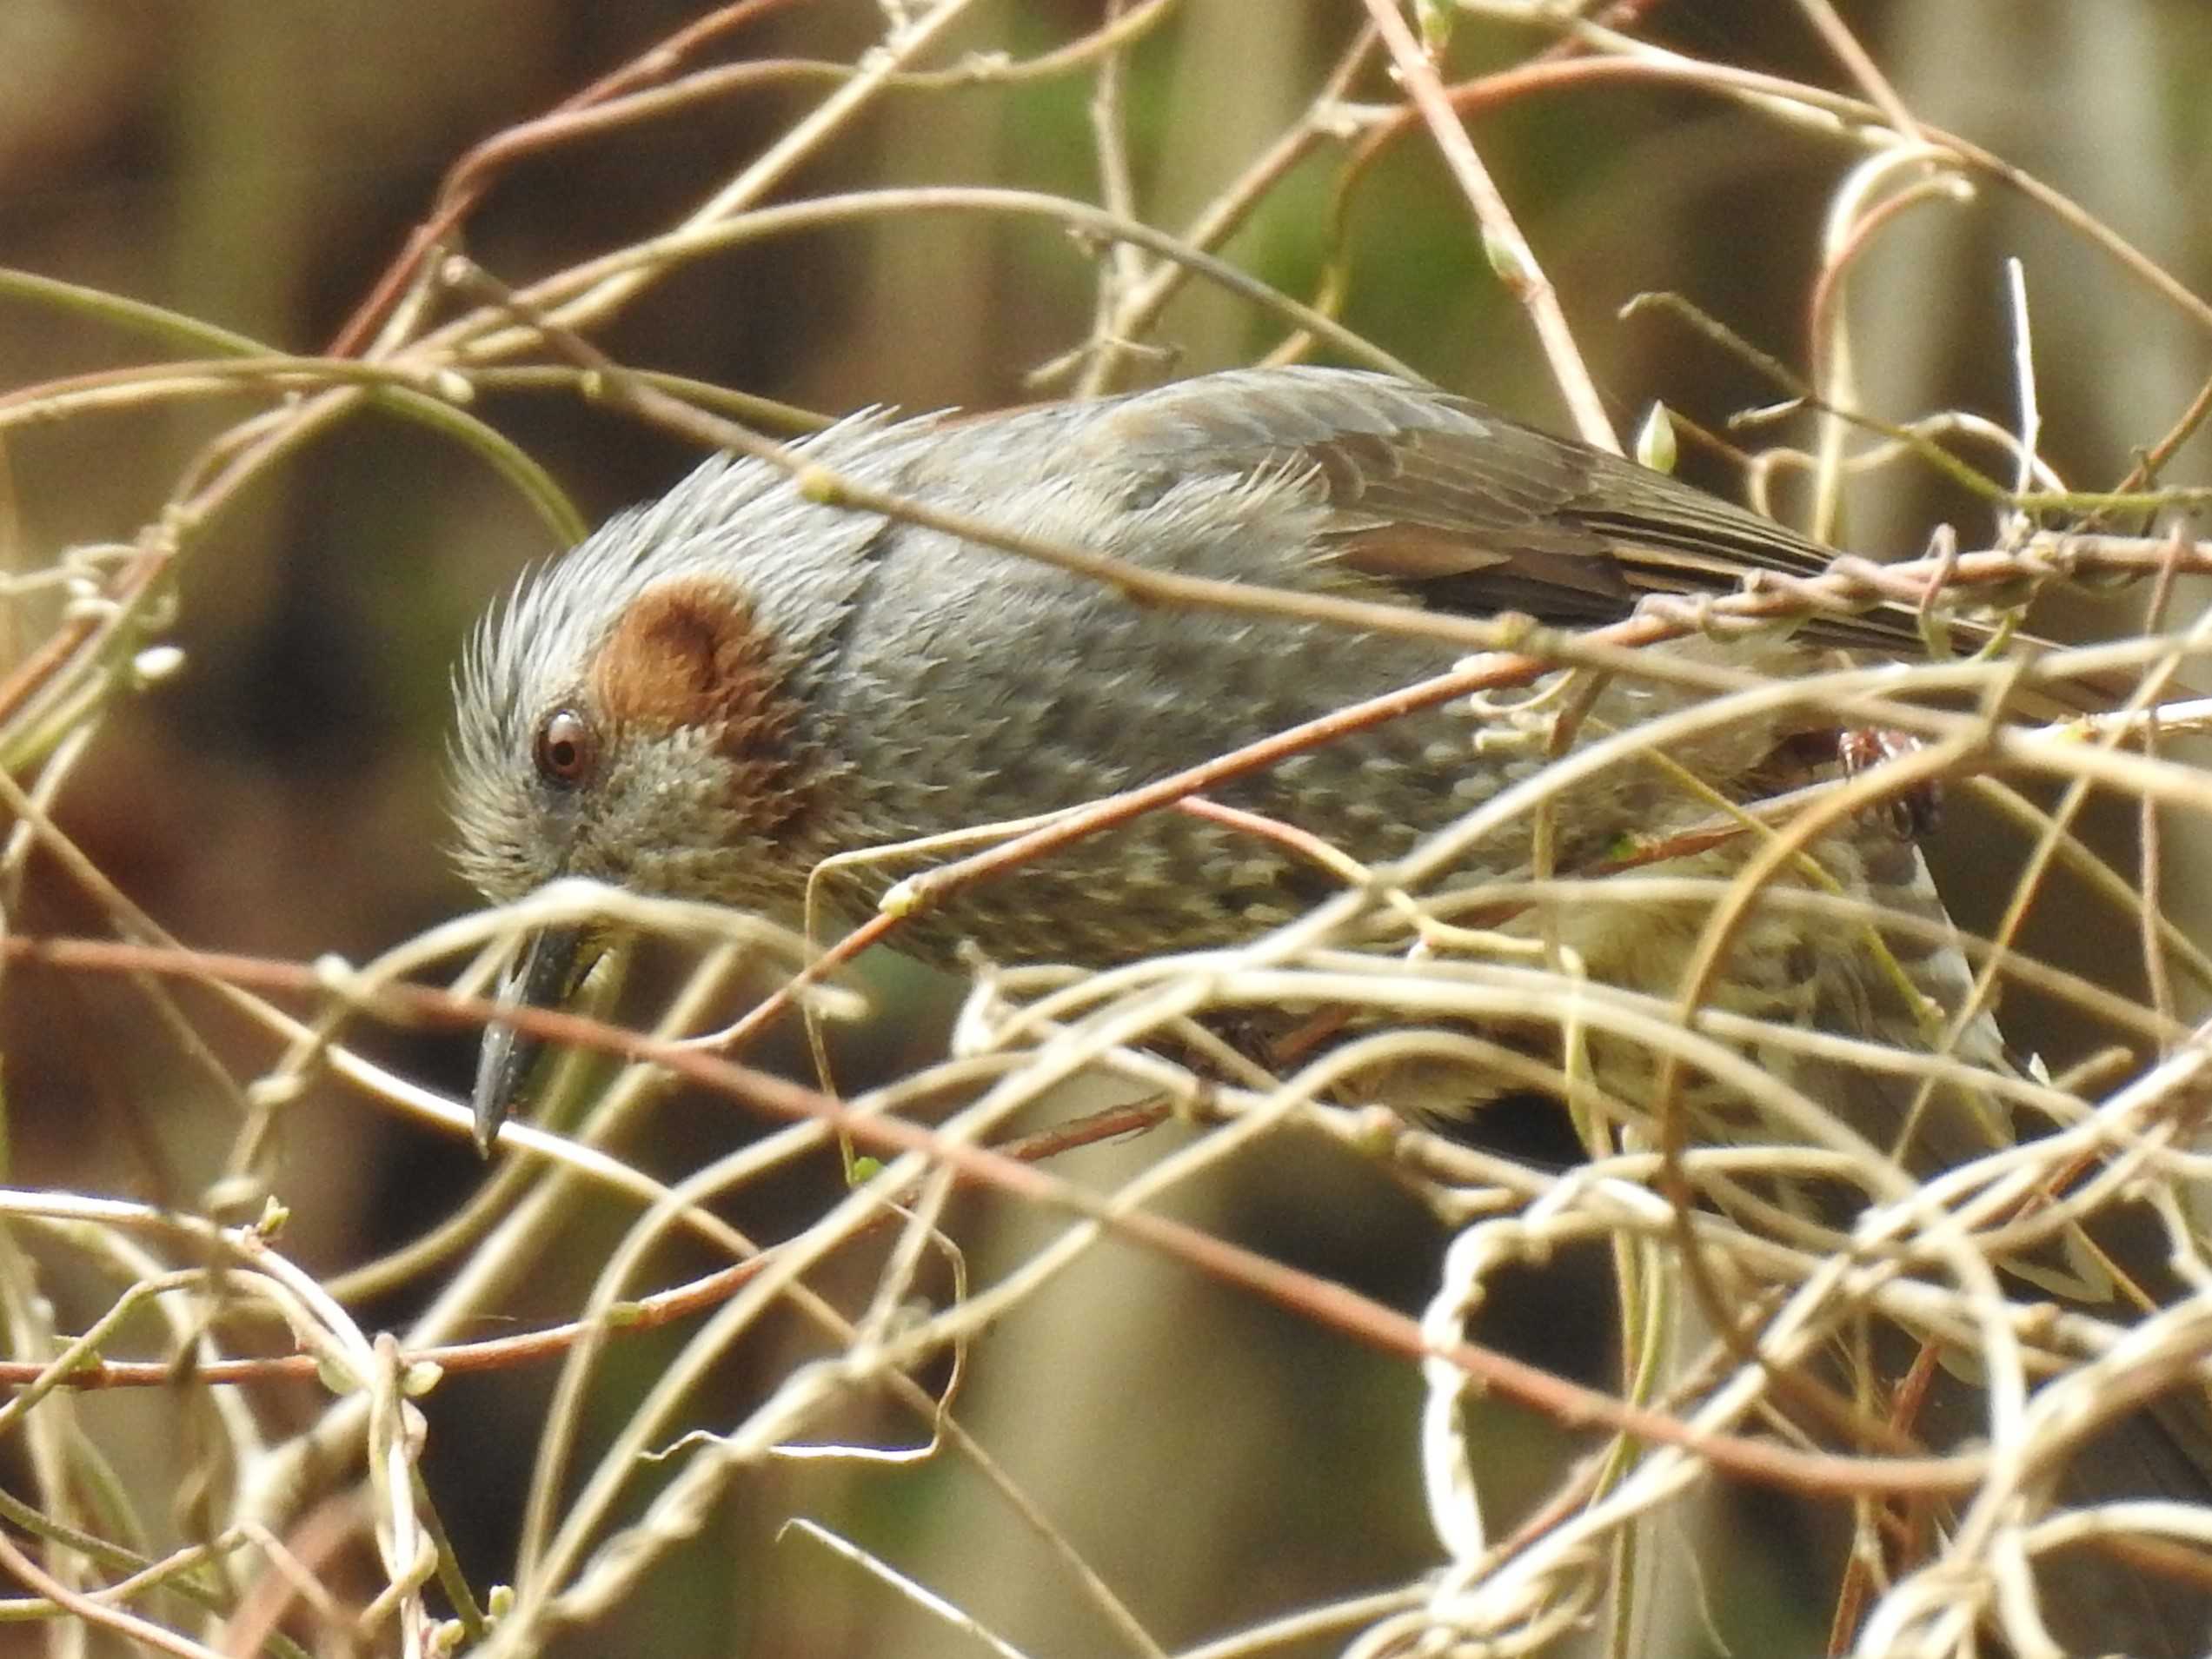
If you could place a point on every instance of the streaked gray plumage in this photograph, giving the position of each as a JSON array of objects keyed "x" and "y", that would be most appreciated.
[
  {"x": 939, "y": 684},
  {"x": 717, "y": 691}
]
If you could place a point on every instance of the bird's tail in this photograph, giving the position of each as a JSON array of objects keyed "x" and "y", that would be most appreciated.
[{"x": 2065, "y": 1236}]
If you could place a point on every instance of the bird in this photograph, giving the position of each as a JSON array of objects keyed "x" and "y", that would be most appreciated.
[{"x": 720, "y": 689}]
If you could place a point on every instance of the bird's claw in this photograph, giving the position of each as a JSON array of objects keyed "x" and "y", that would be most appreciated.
[{"x": 1914, "y": 810}]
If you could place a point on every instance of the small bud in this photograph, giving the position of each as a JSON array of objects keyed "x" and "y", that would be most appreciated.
[
  {"x": 1655, "y": 444},
  {"x": 333, "y": 972},
  {"x": 1513, "y": 630},
  {"x": 1505, "y": 257},
  {"x": 419, "y": 1378},
  {"x": 1435, "y": 18},
  {"x": 156, "y": 663},
  {"x": 274, "y": 1091},
  {"x": 1377, "y": 1132}
]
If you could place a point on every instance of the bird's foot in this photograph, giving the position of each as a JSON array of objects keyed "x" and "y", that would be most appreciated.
[{"x": 1913, "y": 812}]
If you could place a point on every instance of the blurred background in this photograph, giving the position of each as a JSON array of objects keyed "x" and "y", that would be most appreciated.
[{"x": 256, "y": 166}]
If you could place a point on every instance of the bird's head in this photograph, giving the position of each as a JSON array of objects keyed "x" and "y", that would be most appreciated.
[{"x": 637, "y": 713}]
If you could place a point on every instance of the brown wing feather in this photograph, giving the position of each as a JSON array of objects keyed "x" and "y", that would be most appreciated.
[{"x": 1468, "y": 509}]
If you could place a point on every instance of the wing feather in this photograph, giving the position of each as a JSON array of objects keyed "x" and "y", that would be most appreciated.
[{"x": 1467, "y": 509}]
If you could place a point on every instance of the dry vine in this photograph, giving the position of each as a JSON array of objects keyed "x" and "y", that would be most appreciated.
[{"x": 203, "y": 1302}]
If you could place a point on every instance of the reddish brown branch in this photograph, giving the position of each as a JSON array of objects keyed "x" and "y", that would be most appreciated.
[{"x": 1347, "y": 1311}]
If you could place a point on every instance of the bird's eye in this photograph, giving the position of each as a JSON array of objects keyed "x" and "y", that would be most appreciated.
[{"x": 567, "y": 747}]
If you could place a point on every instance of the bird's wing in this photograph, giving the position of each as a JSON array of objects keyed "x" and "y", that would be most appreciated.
[{"x": 1465, "y": 508}]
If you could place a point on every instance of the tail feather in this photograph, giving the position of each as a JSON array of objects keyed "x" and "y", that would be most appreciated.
[{"x": 2112, "y": 1267}]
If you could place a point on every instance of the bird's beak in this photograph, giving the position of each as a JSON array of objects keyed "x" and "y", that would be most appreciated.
[{"x": 543, "y": 975}]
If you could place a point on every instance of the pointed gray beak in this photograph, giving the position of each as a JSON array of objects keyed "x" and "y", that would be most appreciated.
[{"x": 542, "y": 976}]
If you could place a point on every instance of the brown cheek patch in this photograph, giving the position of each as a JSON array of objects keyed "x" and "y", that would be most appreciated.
[{"x": 687, "y": 654}]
